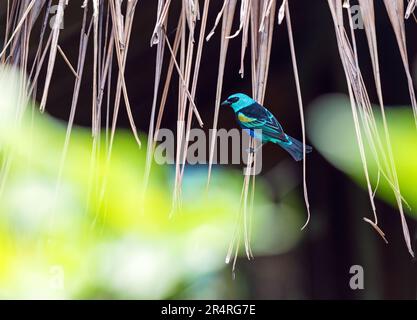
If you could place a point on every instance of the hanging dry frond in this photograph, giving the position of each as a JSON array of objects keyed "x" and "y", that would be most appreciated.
[
  {"x": 284, "y": 10},
  {"x": 365, "y": 124},
  {"x": 410, "y": 8},
  {"x": 395, "y": 9}
]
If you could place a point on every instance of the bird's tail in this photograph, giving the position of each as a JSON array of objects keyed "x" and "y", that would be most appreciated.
[{"x": 295, "y": 148}]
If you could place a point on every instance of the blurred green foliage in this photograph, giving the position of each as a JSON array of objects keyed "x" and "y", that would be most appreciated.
[
  {"x": 332, "y": 132},
  {"x": 65, "y": 236}
]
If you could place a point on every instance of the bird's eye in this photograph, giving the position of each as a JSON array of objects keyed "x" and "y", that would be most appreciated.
[{"x": 233, "y": 99}]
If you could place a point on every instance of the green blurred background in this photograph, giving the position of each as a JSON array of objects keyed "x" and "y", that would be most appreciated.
[{"x": 64, "y": 235}]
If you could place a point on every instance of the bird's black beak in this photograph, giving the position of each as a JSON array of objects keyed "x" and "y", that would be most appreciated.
[{"x": 225, "y": 103}]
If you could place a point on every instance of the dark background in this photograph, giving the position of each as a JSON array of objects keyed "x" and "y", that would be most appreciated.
[{"x": 337, "y": 238}]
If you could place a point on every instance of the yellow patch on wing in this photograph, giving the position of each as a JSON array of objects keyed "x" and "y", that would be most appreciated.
[{"x": 245, "y": 119}]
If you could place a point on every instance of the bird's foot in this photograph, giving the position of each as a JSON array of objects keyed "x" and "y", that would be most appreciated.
[{"x": 254, "y": 150}]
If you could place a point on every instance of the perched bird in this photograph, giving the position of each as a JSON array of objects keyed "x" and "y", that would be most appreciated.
[{"x": 252, "y": 117}]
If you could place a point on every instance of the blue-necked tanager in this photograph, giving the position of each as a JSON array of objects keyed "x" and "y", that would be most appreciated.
[{"x": 252, "y": 117}]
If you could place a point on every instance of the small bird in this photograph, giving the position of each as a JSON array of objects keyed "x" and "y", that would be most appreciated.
[{"x": 251, "y": 117}]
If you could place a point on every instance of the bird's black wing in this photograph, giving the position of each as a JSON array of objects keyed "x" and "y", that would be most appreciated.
[{"x": 256, "y": 117}]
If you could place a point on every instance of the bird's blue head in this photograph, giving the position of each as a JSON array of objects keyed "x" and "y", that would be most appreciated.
[{"x": 238, "y": 101}]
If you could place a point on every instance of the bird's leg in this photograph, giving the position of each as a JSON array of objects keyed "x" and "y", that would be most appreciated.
[{"x": 255, "y": 150}]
